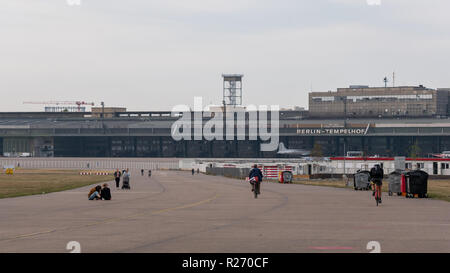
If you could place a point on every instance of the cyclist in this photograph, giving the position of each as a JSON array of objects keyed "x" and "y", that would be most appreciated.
[
  {"x": 149, "y": 173},
  {"x": 255, "y": 176},
  {"x": 376, "y": 176}
]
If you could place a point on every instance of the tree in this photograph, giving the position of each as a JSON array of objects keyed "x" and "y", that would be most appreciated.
[
  {"x": 414, "y": 150},
  {"x": 316, "y": 152}
]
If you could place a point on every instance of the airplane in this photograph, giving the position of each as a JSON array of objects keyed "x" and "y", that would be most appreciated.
[
  {"x": 445, "y": 154},
  {"x": 285, "y": 151}
]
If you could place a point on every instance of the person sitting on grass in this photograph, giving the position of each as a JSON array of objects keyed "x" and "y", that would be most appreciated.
[
  {"x": 106, "y": 192},
  {"x": 95, "y": 193}
]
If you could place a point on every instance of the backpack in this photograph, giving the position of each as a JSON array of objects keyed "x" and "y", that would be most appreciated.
[{"x": 376, "y": 172}]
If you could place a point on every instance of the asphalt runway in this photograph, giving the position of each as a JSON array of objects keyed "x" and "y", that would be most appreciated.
[{"x": 174, "y": 211}]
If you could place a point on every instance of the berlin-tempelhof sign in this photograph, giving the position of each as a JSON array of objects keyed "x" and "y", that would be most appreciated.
[{"x": 332, "y": 131}]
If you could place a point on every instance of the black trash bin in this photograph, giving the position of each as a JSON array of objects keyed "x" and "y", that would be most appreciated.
[
  {"x": 416, "y": 184},
  {"x": 361, "y": 180}
]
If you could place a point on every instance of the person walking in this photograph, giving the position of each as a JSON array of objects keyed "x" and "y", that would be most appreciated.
[{"x": 117, "y": 175}]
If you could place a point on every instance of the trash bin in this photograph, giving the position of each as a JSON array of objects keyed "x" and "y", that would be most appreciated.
[
  {"x": 285, "y": 177},
  {"x": 395, "y": 183},
  {"x": 416, "y": 184},
  {"x": 361, "y": 180},
  {"x": 403, "y": 184}
]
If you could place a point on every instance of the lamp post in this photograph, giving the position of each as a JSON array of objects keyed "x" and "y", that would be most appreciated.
[
  {"x": 345, "y": 172},
  {"x": 344, "y": 156}
]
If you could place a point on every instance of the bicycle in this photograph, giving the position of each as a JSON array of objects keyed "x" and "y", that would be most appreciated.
[
  {"x": 377, "y": 193},
  {"x": 254, "y": 188}
]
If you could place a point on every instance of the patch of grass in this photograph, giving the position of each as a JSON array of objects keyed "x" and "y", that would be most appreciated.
[
  {"x": 437, "y": 189},
  {"x": 335, "y": 183},
  {"x": 28, "y": 182}
]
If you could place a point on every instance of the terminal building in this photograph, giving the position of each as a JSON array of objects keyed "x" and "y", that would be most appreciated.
[
  {"x": 385, "y": 122},
  {"x": 148, "y": 134},
  {"x": 386, "y": 102}
]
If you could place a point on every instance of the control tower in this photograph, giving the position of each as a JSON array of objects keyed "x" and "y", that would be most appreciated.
[{"x": 232, "y": 89}]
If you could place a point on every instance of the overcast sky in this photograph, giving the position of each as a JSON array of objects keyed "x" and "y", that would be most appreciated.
[{"x": 154, "y": 54}]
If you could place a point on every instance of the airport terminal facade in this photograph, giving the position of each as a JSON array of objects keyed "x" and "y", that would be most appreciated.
[
  {"x": 391, "y": 122},
  {"x": 150, "y": 136}
]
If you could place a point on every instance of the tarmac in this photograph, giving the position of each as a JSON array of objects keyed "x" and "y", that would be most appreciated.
[{"x": 176, "y": 212}]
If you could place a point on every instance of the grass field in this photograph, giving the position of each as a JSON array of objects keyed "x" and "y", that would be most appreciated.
[
  {"x": 438, "y": 189},
  {"x": 29, "y": 182}
]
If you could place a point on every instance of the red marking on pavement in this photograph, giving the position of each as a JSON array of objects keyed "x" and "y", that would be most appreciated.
[{"x": 331, "y": 247}]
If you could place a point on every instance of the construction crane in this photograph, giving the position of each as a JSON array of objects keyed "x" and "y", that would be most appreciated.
[{"x": 77, "y": 103}]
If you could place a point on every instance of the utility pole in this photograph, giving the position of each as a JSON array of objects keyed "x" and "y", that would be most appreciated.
[
  {"x": 344, "y": 176},
  {"x": 345, "y": 155},
  {"x": 224, "y": 128},
  {"x": 102, "y": 117},
  {"x": 103, "y": 109},
  {"x": 393, "y": 79}
]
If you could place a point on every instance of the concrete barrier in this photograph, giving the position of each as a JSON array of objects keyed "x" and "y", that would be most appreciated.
[{"x": 238, "y": 173}]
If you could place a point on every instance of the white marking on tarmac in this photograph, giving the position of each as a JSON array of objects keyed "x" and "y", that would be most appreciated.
[{"x": 331, "y": 247}]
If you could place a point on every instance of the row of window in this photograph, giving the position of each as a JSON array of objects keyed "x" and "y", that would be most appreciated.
[{"x": 376, "y": 97}]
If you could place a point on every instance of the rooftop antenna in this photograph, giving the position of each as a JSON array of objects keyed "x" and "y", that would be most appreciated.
[
  {"x": 393, "y": 79},
  {"x": 385, "y": 82}
]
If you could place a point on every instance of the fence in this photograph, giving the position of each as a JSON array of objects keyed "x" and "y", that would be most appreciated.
[{"x": 92, "y": 163}]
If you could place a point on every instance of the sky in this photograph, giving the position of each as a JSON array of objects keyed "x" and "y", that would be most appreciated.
[{"x": 150, "y": 55}]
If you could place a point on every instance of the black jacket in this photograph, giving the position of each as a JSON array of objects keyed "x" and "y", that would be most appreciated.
[
  {"x": 255, "y": 172},
  {"x": 376, "y": 173},
  {"x": 106, "y": 194}
]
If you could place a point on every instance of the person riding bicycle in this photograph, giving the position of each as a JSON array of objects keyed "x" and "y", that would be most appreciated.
[
  {"x": 255, "y": 176},
  {"x": 376, "y": 176}
]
